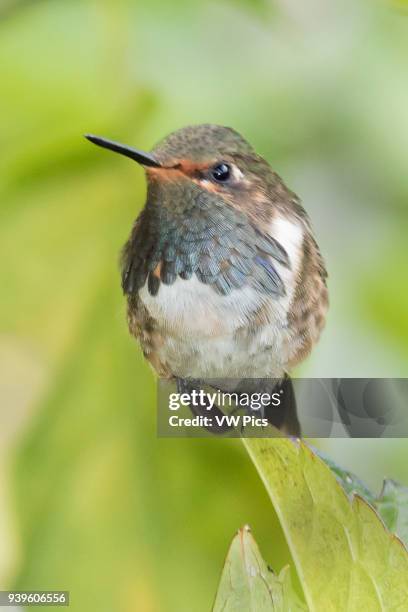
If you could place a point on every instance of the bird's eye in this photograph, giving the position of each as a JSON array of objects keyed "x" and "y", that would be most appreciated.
[{"x": 221, "y": 173}]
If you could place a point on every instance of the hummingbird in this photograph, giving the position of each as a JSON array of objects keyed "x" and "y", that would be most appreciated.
[{"x": 222, "y": 274}]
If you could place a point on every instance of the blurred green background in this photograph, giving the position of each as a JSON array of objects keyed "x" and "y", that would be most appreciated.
[{"x": 91, "y": 500}]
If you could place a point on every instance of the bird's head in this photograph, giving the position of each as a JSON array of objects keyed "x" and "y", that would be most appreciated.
[{"x": 203, "y": 160}]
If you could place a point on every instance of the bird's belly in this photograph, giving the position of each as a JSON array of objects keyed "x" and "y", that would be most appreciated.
[
  {"x": 224, "y": 357},
  {"x": 205, "y": 334},
  {"x": 191, "y": 309}
]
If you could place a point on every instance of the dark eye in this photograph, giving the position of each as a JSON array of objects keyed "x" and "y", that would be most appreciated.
[{"x": 221, "y": 173}]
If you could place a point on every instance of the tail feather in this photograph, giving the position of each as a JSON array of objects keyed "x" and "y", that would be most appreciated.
[{"x": 282, "y": 417}]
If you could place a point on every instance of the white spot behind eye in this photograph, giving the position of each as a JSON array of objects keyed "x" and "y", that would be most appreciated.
[{"x": 236, "y": 172}]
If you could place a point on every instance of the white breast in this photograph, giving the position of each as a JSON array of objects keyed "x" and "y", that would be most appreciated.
[
  {"x": 191, "y": 308},
  {"x": 206, "y": 334}
]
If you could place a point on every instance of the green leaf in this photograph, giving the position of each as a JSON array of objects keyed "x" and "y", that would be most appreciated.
[
  {"x": 349, "y": 481},
  {"x": 248, "y": 584},
  {"x": 345, "y": 557},
  {"x": 391, "y": 504}
]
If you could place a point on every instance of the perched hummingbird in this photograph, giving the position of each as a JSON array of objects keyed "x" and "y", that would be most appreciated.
[{"x": 223, "y": 277}]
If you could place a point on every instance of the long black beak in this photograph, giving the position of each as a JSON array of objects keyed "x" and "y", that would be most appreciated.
[{"x": 145, "y": 159}]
